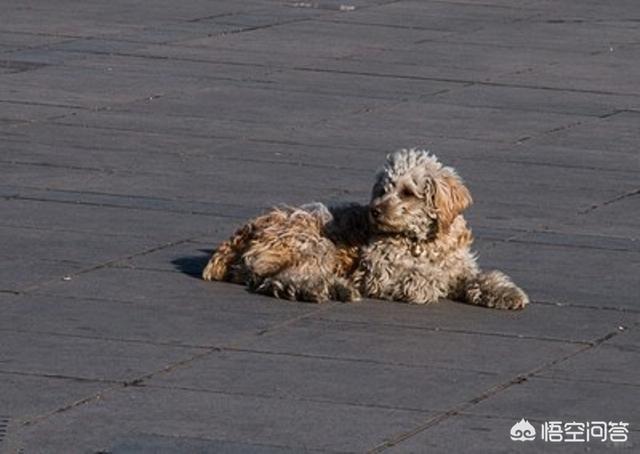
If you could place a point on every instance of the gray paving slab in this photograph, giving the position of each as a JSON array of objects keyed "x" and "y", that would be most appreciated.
[
  {"x": 389, "y": 55},
  {"x": 442, "y": 59},
  {"x": 24, "y": 113},
  {"x": 217, "y": 417},
  {"x": 548, "y": 399},
  {"x": 611, "y": 70},
  {"x": 559, "y": 156},
  {"x": 184, "y": 285},
  {"x": 370, "y": 383},
  {"x": 322, "y": 39},
  {"x": 480, "y": 123},
  {"x": 585, "y": 38},
  {"x": 613, "y": 134},
  {"x": 85, "y": 357},
  {"x": 65, "y": 19},
  {"x": 541, "y": 321},
  {"x": 607, "y": 364},
  {"x": 168, "y": 444},
  {"x": 575, "y": 182},
  {"x": 75, "y": 86},
  {"x": 207, "y": 320},
  {"x": 69, "y": 141},
  {"x": 18, "y": 274},
  {"x": 566, "y": 273},
  {"x": 163, "y": 204},
  {"x": 188, "y": 258},
  {"x": 355, "y": 85},
  {"x": 589, "y": 9},
  {"x": 257, "y": 104},
  {"x": 578, "y": 240},
  {"x": 59, "y": 245},
  {"x": 12, "y": 41},
  {"x": 90, "y": 217},
  {"x": 616, "y": 216},
  {"x": 630, "y": 340},
  {"x": 120, "y": 79},
  {"x": 534, "y": 99},
  {"x": 447, "y": 16},
  {"x": 26, "y": 396},
  {"x": 315, "y": 337},
  {"x": 187, "y": 192}
]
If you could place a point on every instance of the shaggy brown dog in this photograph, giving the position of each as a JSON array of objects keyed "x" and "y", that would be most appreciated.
[{"x": 409, "y": 244}]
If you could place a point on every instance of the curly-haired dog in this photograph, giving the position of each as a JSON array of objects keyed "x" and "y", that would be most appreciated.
[{"x": 409, "y": 244}]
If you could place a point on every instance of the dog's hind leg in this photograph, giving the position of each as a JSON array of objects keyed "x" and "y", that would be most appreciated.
[
  {"x": 295, "y": 286},
  {"x": 226, "y": 262},
  {"x": 494, "y": 289}
]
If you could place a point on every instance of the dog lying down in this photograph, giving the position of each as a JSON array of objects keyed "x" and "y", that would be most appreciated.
[{"x": 410, "y": 243}]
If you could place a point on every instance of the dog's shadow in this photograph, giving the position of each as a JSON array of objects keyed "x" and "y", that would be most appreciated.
[{"x": 192, "y": 265}]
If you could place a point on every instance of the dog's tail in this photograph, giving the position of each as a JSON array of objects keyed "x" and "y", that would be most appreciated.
[
  {"x": 225, "y": 263},
  {"x": 238, "y": 259},
  {"x": 495, "y": 289}
]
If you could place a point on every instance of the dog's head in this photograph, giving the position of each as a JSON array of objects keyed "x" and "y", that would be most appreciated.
[{"x": 415, "y": 195}]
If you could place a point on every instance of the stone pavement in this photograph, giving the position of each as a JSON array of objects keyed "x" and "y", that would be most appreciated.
[{"x": 136, "y": 135}]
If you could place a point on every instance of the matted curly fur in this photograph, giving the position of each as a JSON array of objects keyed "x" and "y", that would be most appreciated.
[{"x": 410, "y": 243}]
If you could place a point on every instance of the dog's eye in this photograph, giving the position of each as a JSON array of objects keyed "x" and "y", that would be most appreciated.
[{"x": 406, "y": 193}]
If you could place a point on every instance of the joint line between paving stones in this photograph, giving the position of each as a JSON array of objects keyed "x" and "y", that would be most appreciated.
[
  {"x": 109, "y": 194},
  {"x": 64, "y": 230},
  {"x": 193, "y": 134},
  {"x": 125, "y": 207},
  {"x": 112, "y": 171},
  {"x": 521, "y": 378},
  {"x": 357, "y": 73},
  {"x": 59, "y": 376},
  {"x": 458, "y": 331},
  {"x": 610, "y": 201},
  {"x": 110, "y": 262},
  {"x": 108, "y": 339},
  {"x": 288, "y": 397},
  {"x": 118, "y": 385},
  {"x": 357, "y": 360},
  {"x": 589, "y": 307},
  {"x": 54, "y": 118},
  {"x": 443, "y": 79},
  {"x": 586, "y": 380},
  {"x": 564, "y": 127}
]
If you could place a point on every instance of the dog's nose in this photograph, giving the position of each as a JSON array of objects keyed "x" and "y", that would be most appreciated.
[{"x": 375, "y": 212}]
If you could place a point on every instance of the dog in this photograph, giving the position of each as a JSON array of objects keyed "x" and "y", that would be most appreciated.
[{"x": 409, "y": 244}]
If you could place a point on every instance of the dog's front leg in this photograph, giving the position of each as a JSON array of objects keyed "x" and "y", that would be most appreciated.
[
  {"x": 494, "y": 289},
  {"x": 418, "y": 285},
  {"x": 409, "y": 284}
]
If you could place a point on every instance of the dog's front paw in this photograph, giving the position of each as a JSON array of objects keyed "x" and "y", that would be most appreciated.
[
  {"x": 511, "y": 299},
  {"x": 497, "y": 291}
]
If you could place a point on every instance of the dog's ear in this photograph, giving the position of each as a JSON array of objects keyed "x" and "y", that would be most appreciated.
[{"x": 451, "y": 198}]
